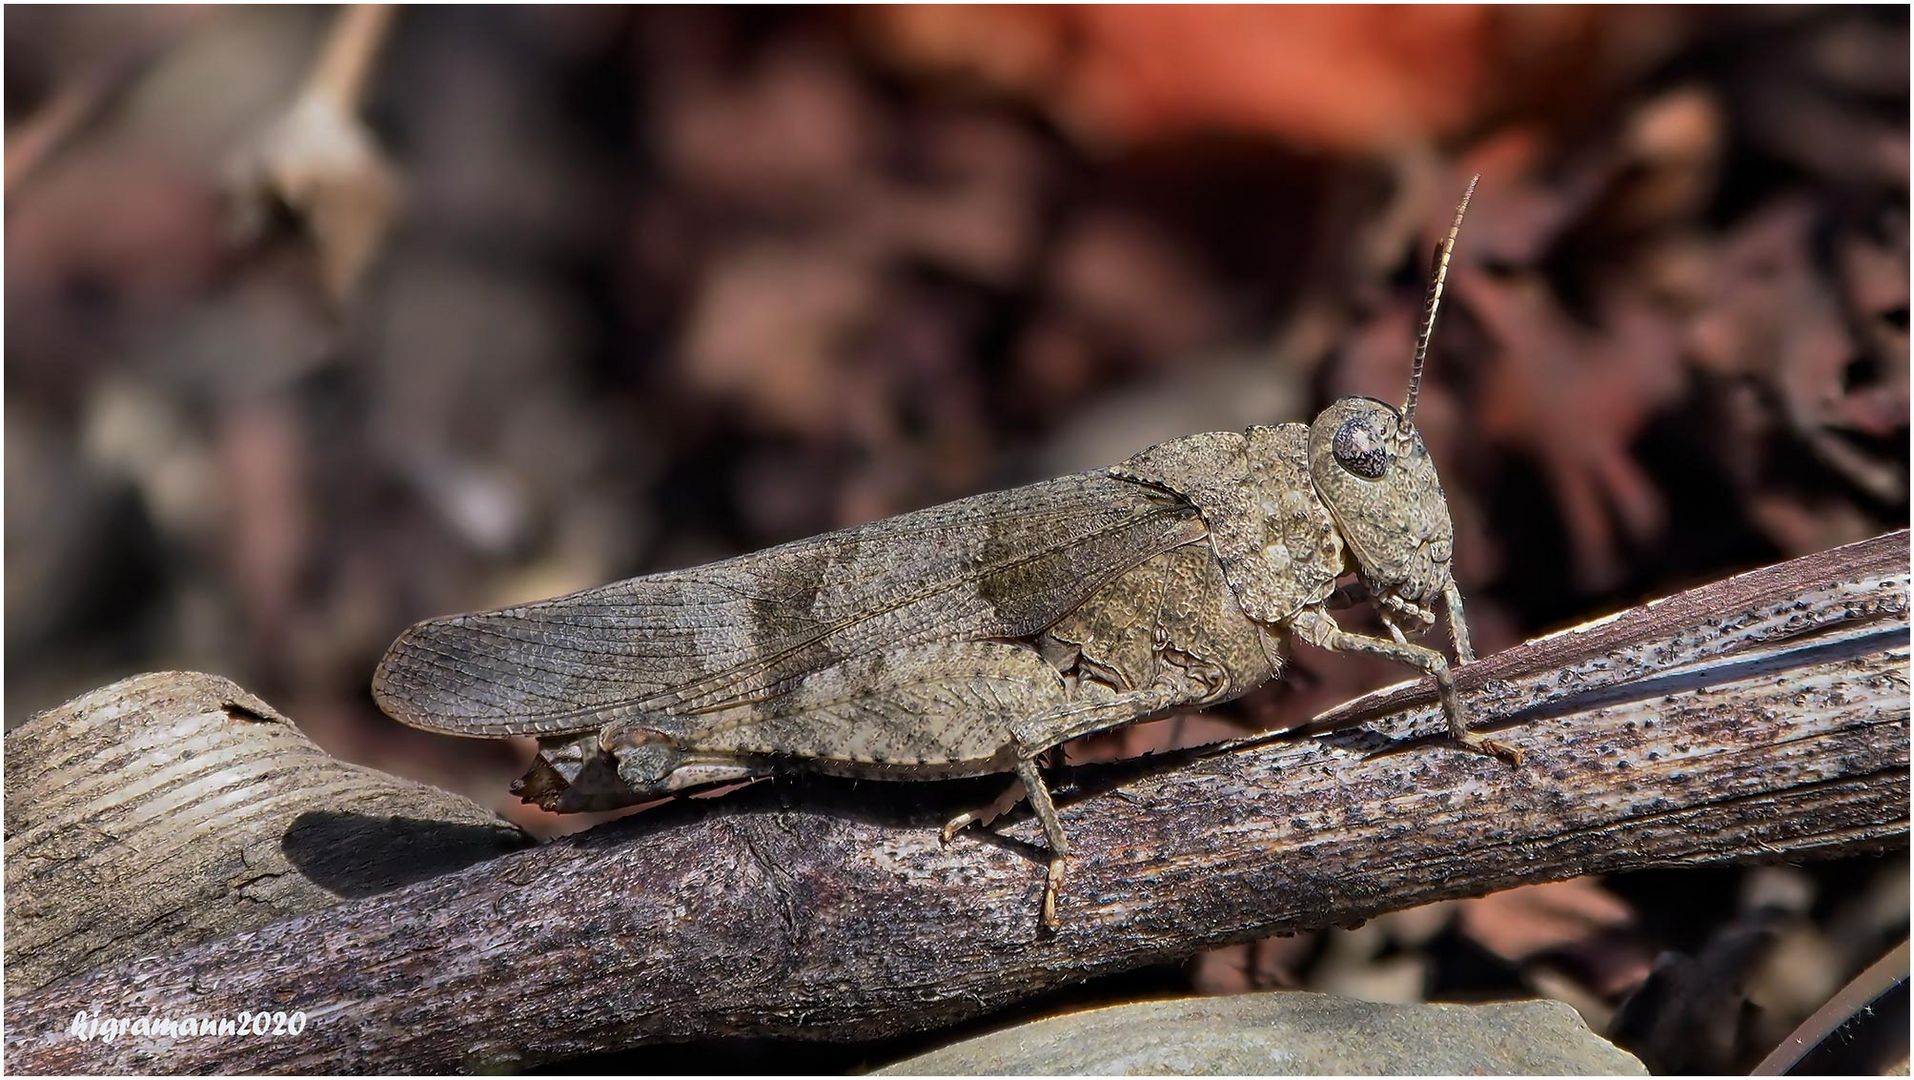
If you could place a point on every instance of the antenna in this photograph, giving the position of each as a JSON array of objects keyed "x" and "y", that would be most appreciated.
[{"x": 1429, "y": 305}]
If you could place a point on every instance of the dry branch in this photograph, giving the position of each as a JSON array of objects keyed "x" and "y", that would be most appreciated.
[
  {"x": 1765, "y": 716},
  {"x": 173, "y": 808}
]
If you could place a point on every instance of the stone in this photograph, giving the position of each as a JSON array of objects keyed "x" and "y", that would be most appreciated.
[{"x": 1287, "y": 1033}]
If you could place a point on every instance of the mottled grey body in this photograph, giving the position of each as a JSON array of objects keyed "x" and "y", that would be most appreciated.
[
  {"x": 958, "y": 640},
  {"x": 967, "y": 638},
  {"x": 914, "y": 644}
]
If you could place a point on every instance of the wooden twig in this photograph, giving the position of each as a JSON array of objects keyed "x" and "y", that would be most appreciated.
[
  {"x": 172, "y": 808},
  {"x": 1761, "y": 717},
  {"x": 345, "y": 62}
]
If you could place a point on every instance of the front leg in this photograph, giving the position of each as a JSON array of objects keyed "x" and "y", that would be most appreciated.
[
  {"x": 1458, "y": 626},
  {"x": 1315, "y": 626}
]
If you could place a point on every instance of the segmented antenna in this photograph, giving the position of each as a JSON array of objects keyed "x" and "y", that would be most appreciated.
[{"x": 1429, "y": 306}]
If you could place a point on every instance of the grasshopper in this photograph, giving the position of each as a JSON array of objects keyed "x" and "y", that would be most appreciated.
[{"x": 970, "y": 638}]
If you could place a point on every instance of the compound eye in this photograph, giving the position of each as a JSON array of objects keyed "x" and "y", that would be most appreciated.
[{"x": 1358, "y": 447}]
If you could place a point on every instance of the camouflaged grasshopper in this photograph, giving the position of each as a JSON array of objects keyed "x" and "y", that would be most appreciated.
[{"x": 972, "y": 637}]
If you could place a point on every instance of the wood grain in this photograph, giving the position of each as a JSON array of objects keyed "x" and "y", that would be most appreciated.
[
  {"x": 1761, "y": 717},
  {"x": 172, "y": 808}
]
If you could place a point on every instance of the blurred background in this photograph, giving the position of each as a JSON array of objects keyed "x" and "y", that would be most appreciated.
[{"x": 319, "y": 323}]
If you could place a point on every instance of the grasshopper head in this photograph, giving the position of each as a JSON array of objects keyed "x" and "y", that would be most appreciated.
[
  {"x": 1370, "y": 468},
  {"x": 1372, "y": 471}
]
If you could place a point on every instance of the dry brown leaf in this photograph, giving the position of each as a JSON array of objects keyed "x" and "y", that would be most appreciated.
[
  {"x": 1520, "y": 923},
  {"x": 1343, "y": 78},
  {"x": 1576, "y": 399},
  {"x": 771, "y": 328},
  {"x": 325, "y": 166},
  {"x": 320, "y": 161},
  {"x": 1774, "y": 318}
]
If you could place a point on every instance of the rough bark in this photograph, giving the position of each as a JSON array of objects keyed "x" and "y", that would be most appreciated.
[{"x": 1765, "y": 716}]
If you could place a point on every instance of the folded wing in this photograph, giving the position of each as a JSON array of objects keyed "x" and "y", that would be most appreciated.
[{"x": 999, "y": 566}]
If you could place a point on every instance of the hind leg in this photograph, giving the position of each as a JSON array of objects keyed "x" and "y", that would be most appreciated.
[
  {"x": 930, "y": 706},
  {"x": 1039, "y": 733}
]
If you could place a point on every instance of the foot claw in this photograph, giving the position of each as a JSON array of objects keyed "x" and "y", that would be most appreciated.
[
  {"x": 984, "y": 815},
  {"x": 1051, "y": 883},
  {"x": 1492, "y": 747},
  {"x": 956, "y": 825}
]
